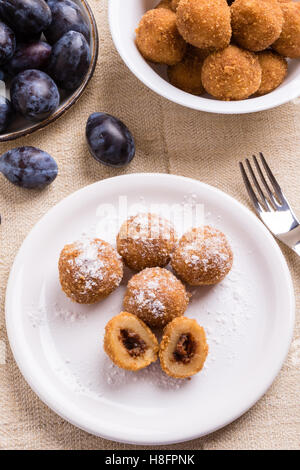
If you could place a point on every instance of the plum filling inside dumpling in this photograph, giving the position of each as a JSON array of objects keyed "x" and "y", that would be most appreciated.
[
  {"x": 132, "y": 342},
  {"x": 185, "y": 348}
]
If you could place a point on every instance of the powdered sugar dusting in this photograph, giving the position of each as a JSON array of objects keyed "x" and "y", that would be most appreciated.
[
  {"x": 148, "y": 226},
  {"x": 227, "y": 312},
  {"x": 207, "y": 248},
  {"x": 92, "y": 268},
  {"x": 149, "y": 291},
  {"x": 88, "y": 261}
]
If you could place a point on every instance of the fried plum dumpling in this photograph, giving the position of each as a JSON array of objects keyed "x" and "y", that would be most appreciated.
[
  {"x": 274, "y": 70},
  {"x": 288, "y": 44},
  {"x": 204, "y": 23},
  {"x": 129, "y": 343},
  {"x": 231, "y": 74},
  {"x": 256, "y": 24},
  {"x": 89, "y": 270},
  {"x": 183, "y": 349},
  {"x": 186, "y": 75},
  {"x": 146, "y": 240},
  {"x": 203, "y": 256},
  {"x": 158, "y": 39},
  {"x": 156, "y": 296}
]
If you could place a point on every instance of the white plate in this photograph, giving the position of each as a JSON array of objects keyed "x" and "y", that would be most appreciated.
[{"x": 57, "y": 344}]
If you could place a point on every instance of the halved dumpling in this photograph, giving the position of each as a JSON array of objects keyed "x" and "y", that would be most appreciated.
[
  {"x": 183, "y": 349},
  {"x": 129, "y": 342}
]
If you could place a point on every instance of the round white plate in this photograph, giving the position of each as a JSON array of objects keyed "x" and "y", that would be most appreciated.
[{"x": 58, "y": 344}]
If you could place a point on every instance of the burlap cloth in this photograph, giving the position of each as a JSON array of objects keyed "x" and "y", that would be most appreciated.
[{"x": 170, "y": 139}]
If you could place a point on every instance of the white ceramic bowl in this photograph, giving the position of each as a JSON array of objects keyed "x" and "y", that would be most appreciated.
[{"x": 124, "y": 17}]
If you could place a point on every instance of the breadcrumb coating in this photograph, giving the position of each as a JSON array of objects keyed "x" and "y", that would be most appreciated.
[
  {"x": 256, "y": 24},
  {"x": 274, "y": 70},
  {"x": 158, "y": 39},
  {"x": 187, "y": 74},
  {"x": 156, "y": 296},
  {"x": 175, "y": 4},
  {"x": 231, "y": 74},
  {"x": 89, "y": 270},
  {"x": 200, "y": 53},
  {"x": 203, "y": 256},
  {"x": 146, "y": 240},
  {"x": 288, "y": 44},
  {"x": 165, "y": 4},
  {"x": 204, "y": 23}
]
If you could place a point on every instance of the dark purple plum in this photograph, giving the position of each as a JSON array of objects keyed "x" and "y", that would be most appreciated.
[
  {"x": 6, "y": 113},
  {"x": 34, "y": 95},
  {"x": 28, "y": 18},
  {"x": 32, "y": 55},
  {"x": 3, "y": 75},
  {"x": 110, "y": 141},
  {"x": 28, "y": 167},
  {"x": 7, "y": 43},
  {"x": 70, "y": 60},
  {"x": 66, "y": 16}
]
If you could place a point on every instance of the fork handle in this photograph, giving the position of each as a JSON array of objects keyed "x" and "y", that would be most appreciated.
[{"x": 292, "y": 239}]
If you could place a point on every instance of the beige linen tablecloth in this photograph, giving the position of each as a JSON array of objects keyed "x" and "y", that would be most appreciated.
[{"x": 170, "y": 139}]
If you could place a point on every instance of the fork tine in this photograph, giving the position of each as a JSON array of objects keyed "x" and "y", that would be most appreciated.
[
  {"x": 257, "y": 185},
  {"x": 264, "y": 181},
  {"x": 277, "y": 188},
  {"x": 249, "y": 188}
]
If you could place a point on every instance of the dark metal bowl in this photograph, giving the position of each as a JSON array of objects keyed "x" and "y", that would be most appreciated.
[{"x": 26, "y": 127}]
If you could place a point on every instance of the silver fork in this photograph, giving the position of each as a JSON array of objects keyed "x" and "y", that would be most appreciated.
[{"x": 271, "y": 204}]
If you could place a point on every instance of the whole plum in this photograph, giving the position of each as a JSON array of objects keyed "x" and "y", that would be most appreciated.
[
  {"x": 6, "y": 113},
  {"x": 28, "y": 167},
  {"x": 3, "y": 75},
  {"x": 34, "y": 95},
  {"x": 110, "y": 141},
  {"x": 28, "y": 18},
  {"x": 70, "y": 60},
  {"x": 7, "y": 43},
  {"x": 32, "y": 55},
  {"x": 66, "y": 16}
]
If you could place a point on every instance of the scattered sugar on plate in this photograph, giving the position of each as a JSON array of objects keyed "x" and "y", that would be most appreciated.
[{"x": 223, "y": 325}]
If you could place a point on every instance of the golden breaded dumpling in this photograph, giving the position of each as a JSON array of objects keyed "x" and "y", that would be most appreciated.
[
  {"x": 274, "y": 70},
  {"x": 156, "y": 296},
  {"x": 288, "y": 44},
  {"x": 204, "y": 23},
  {"x": 158, "y": 39},
  {"x": 256, "y": 24},
  {"x": 186, "y": 75},
  {"x": 89, "y": 270},
  {"x": 231, "y": 74},
  {"x": 129, "y": 343},
  {"x": 203, "y": 256},
  {"x": 183, "y": 349},
  {"x": 146, "y": 240}
]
